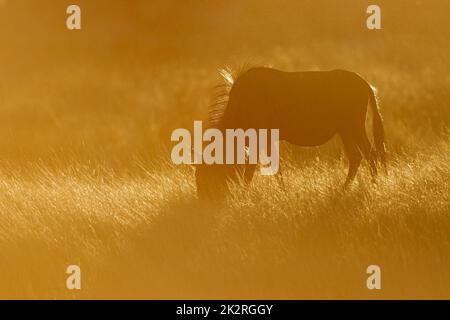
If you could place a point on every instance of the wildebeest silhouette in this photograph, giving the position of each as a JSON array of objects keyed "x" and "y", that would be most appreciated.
[{"x": 308, "y": 108}]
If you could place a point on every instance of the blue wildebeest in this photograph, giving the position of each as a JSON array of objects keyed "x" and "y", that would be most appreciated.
[{"x": 309, "y": 108}]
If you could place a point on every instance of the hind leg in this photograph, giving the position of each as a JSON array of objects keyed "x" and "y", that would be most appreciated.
[
  {"x": 368, "y": 152},
  {"x": 354, "y": 158}
]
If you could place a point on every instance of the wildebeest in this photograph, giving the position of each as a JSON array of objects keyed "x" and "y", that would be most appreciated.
[{"x": 309, "y": 108}]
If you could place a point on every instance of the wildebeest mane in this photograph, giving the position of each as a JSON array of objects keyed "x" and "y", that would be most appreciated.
[{"x": 228, "y": 77}]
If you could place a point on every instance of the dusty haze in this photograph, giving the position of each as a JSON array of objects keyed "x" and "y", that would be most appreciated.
[{"x": 85, "y": 172}]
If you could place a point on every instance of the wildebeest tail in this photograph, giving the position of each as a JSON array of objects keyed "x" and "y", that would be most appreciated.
[{"x": 378, "y": 128}]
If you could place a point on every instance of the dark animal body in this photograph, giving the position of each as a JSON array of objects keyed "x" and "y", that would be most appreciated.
[{"x": 308, "y": 108}]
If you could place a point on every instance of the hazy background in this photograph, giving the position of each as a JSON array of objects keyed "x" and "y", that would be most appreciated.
[{"x": 85, "y": 123}]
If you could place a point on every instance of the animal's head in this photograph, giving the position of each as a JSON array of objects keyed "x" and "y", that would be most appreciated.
[{"x": 212, "y": 180}]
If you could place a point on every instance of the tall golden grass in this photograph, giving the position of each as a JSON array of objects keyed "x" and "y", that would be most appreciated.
[{"x": 86, "y": 177}]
